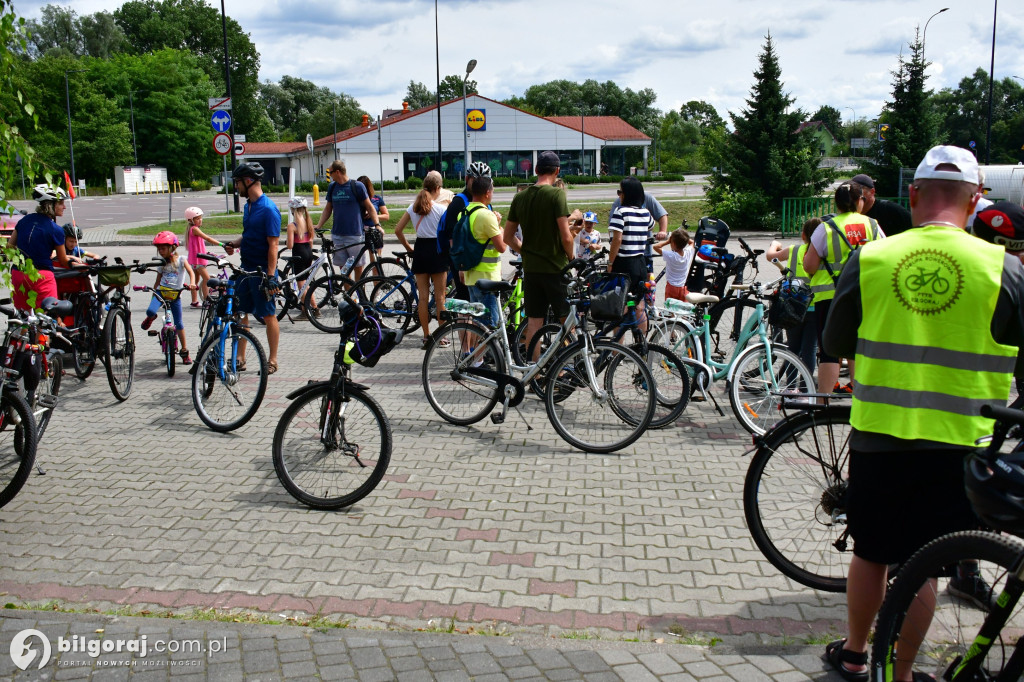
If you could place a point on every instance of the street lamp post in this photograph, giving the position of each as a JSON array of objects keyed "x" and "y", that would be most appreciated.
[
  {"x": 437, "y": 60},
  {"x": 991, "y": 82},
  {"x": 71, "y": 141},
  {"x": 135, "y": 147},
  {"x": 334, "y": 141},
  {"x": 227, "y": 83},
  {"x": 465, "y": 124},
  {"x": 924, "y": 36},
  {"x": 582, "y": 141}
]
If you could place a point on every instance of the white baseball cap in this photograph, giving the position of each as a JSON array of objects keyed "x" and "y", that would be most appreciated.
[{"x": 964, "y": 161}]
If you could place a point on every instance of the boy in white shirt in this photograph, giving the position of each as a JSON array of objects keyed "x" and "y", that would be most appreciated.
[
  {"x": 678, "y": 259},
  {"x": 587, "y": 239}
]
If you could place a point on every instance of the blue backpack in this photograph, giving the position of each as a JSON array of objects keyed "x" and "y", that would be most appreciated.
[
  {"x": 466, "y": 252},
  {"x": 443, "y": 234}
]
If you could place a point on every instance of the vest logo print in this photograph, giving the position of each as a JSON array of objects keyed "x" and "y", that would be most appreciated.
[
  {"x": 856, "y": 233},
  {"x": 928, "y": 282}
]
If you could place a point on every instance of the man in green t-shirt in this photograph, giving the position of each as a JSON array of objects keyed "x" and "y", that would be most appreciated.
[
  {"x": 484, "y": 226},
  {"x": 546, "y": 246}
]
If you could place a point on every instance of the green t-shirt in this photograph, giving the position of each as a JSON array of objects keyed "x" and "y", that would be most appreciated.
[
  {"x": 537, "y": 209},
  {"x": 484, "y": 225}
]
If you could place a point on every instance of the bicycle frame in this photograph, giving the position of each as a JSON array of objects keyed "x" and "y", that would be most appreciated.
[{"x": 304, "y": 275}]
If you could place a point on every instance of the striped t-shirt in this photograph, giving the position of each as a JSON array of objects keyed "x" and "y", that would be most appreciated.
[{"x": 635, "y": 225}]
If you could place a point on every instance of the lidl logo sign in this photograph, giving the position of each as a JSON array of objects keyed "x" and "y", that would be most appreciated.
[{"x": 476, "y": 120}]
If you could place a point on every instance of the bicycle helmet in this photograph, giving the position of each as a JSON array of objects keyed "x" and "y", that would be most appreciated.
[
  {"x": 72, "y": 232},
  {"x": 46, "y": 192},
  {"x": 297, "y": 202},
  {"x": 478, "y": 169},
  {"x": 1002, "y": 223},
  {"x": 166, "y": 237},
  {"x": 590, "y": 217},
  {"x": 995, "y": 488},
  {"x": 253, "y": 171},
  {"x": 193, "y": 212}
]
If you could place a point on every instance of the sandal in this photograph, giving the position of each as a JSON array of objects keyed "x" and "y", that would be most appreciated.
[
  {"x": 837, "y": 656},
  {"x": 271, "y": 367},
  {"x": 426, "y": 342},
  {"x": 444, "y": 343},
  {"x": 185, "y": 359}
]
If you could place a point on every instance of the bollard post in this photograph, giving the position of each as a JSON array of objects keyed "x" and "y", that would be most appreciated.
[{"x": 316, "y": 194}]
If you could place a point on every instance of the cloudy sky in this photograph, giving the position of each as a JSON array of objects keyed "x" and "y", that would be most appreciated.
[{"x": 837, "y": 52}]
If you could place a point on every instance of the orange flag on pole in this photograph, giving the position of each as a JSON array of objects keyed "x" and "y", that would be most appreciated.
[{"x": 71, "y": 188}]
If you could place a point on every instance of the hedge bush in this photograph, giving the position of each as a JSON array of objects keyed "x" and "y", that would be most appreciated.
[{"x": 200, "y": 185}]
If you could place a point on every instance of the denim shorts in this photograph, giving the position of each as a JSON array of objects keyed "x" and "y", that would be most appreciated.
[
  {"x": 251, "y": 298},
  {"x": 476, "y": 295}
]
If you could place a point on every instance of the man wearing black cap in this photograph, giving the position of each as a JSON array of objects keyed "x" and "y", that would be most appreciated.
[
  {"x": 892, "y": 217},
  {"x": 546, "y": 245}
]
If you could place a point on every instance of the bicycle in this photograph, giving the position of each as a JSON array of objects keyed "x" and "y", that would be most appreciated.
[
  {"x": 294, "y": 297},
  {"x": 962, "y": 642},
  {"x": 598, "y": 400},
  {"x": 756, "y": 376},
  {"x": 168, "y": 334},
  {"x": 939, "y": 284},
  {"x": 394, "y": 299},
  {"x": 226, "y": 393},
  {"x": 102, "y": 324},
  {"x": 18, "y": 447},
  {"x": 333, "y": 444}
]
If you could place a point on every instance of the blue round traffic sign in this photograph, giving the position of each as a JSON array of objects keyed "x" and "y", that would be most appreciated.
[{"x": 221, "y": 121}]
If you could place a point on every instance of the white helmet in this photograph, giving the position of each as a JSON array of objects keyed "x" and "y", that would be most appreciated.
[
  {"x": 297, "y": 202},
  {"x": 48, "y": 193},
  {"x": 193, "y": 212}
]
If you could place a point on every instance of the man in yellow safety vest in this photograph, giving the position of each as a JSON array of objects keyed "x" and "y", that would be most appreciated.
[{"x": 934, "y": 319}]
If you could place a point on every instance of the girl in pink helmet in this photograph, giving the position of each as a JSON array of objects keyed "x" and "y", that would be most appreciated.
[
  {"x": 196, "y": 241},
  {"x": 170, "y": 280}
]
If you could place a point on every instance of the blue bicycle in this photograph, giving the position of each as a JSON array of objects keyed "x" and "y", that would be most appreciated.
[{"x": 227, "y": 392}]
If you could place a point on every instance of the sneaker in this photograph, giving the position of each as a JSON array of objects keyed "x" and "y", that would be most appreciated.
[
  {"x": 974, "y": 589},
  {"x": 185, "y": 359},
  {"x": 848, "y": 388},
  {"x": 148, "y": 322}
]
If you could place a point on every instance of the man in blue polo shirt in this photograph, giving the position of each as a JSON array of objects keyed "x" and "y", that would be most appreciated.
[
  {"x": 348, "y": 201},
  {"x": 261, "y": 230}
]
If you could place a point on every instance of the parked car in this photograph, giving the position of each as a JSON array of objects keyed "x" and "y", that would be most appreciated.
[{"x": 8, "y": 221}]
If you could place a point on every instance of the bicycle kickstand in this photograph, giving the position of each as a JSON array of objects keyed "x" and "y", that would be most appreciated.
[{"x": 499, "y": 417}]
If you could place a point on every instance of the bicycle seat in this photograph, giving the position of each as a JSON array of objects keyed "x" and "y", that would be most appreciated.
[
  {"x": 697, "y": 299},
  {"x": 518, "y": 262},
  {"x": 216, "y": 282},
  {"x": 400, "y": 254},
  {"x": 495, "y": 286},
  {"x": 57, "y": 308}
]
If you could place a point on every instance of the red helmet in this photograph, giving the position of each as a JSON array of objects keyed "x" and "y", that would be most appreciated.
[{"x": 166, "y": 237}]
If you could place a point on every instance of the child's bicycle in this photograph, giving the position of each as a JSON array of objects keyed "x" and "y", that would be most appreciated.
[{"x": 168, "y": 334}]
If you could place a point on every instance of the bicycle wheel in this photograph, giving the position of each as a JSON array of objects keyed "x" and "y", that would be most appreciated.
[
  {"x": 905, "y": 640},
  {"x": 453, "y": 348},
  {"x": 17, "y": 444},
  {"x": 329, "y": 461},
  {"x": 794, "y": 497},
  {"x": 387, "y": 301},
  {"x": 226, "y": 389},
  {"x": 544, "y": 337},
  {"x": 83, "y": 358},
  {"x": 672, "y": 384},
  {"x": 168, "y": 340},
  {"x": 119, "y": 341},
  {"x": 389, "y": 268},
  {"x": 727, "y": 320},
  {"x": 322, "y": 301},
  {"x": 587, "y": 415},
  {"x": 757, "y": 383}
]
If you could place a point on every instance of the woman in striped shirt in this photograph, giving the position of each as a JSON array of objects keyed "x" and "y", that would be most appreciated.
[{"x": 629, "y": 228}]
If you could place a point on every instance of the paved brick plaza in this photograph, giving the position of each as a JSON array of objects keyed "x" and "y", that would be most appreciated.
[{"x": 500, "y": 529}]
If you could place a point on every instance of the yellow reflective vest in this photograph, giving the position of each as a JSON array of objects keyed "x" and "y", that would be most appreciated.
[
  {"x": 926, "y": 359},
  {"x": 844, "y": 233}
]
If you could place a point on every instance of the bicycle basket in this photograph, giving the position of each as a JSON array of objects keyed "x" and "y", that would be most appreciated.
[
  {"x": 608, "y": 297},
  {"x": 114, "y": 277},
  {"x": 374, "y": 238},
  {"x": 372, "y": 342},
  {"x": 789, "y": 306}
]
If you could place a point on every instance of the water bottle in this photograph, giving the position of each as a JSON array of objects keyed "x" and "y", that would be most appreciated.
[
  {"x": 461, "y": 307},
  {"x": 677, "y": 306},
  {"x": 348, "y": 265},
  {"x": 106, "y": 306}
]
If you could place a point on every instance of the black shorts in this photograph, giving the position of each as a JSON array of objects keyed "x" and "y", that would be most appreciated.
[
  {"x": 302, "y": 253},
  {"x": 635, "y": 267},
  {"x": 900, "y": 501},
  {"x": 821, "y": 312},
  {"x": 543, "y": 289}
]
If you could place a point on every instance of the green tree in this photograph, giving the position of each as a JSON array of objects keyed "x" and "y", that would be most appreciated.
[
  {"x": 704, "y": 115},
  {"x": 451, "y": 87},
  {"x": 964, "y": 116},
  {"x": 320, "y": 123},
  {"x": 297, "y": 107},
  {"x": 194, "y": 26},
  {"x": 913, "y": 123},
  {"x": 102, "y": 37},
  {"x": 590, "y": 98},
  {"x": 678, "y": 143},
  {"x": 766, "y": 159},
  {"x": 419, "y": 95},
  {"x": 833, "y": 120},
  {"x": 57, "y": 31}
]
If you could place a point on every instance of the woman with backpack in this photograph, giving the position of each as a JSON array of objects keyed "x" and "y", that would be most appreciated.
[{"x": 429, "y": 262}]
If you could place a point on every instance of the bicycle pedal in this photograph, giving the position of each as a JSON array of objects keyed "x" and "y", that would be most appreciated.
[
  {"x": 153, "y": 332},
  {"x": 47, "y": 402},
  {"x": 497, "y": 418}
]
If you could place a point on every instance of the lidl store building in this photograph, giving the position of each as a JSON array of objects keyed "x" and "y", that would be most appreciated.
[{"x": 404, "y": 144}]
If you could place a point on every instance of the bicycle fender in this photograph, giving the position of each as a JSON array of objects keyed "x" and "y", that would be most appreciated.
[
  {"x": 311, "y": 386},
  {"x": 749, "y": 349}
]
